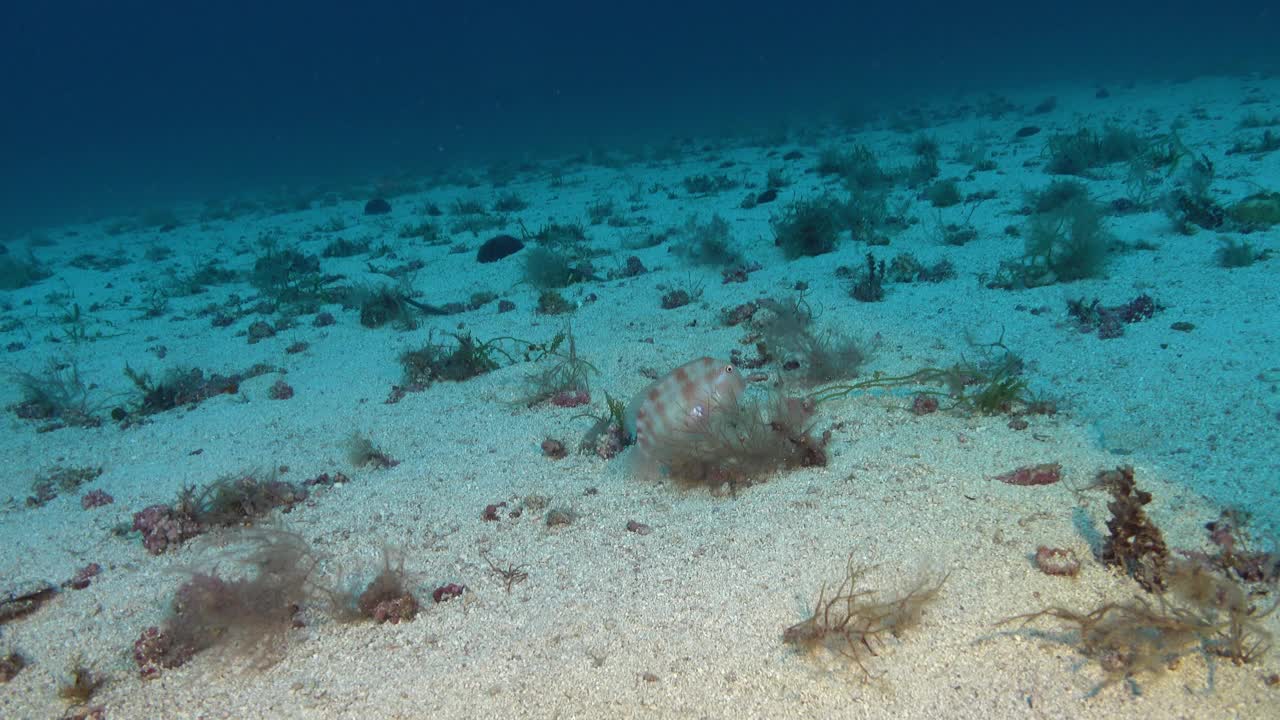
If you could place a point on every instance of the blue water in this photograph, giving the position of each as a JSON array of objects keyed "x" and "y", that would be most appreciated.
[{"x": 133, "y": 105}]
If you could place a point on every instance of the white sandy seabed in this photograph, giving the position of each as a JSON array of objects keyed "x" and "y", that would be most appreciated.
[{"x": 685, "y": 620}]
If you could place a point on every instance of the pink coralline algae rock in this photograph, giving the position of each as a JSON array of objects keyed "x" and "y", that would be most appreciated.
[
  {"x": 155, "y": 649},
  {"x": 447, "y": 592},
  {"x": 280, "y": 390},
  {"x": 95, "y": 498},
  {"x": 1042, "y": 474},
  {"x": 84, "y": 576},
  {"x": 162, "y": 526},
  {"x": 571, "y": 398},
  {"x": 394, "y": 610}
]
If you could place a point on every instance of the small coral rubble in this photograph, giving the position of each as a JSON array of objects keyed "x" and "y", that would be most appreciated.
[
  {"x": 84, "y": 576},
  {"x": 1057, "y": 561},
  {"x": 10, "y": 666},
  {"x": 163, "y": 526},
  {"x": 1109, "y": 320},
  {"x": 95, "y": 498},
  {"x": 155, "y": 650},
  {"x": 280, "y": 390},
  {"x": 226, "y": 502},
  {"x": 1042, "y": 474},
  {"x": 447, "y": 592},
  {"x": 386, "y": 598},
  {"x": 60, "y": 480}
]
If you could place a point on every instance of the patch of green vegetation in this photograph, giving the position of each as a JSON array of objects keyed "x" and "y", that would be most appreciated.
[
  {"x": 865, "y": 214},
  {"x": 1233, "y": 253},
  {"x": 906, "y": 268},
  {"x": 426, "y": 231},
  {"x": 975, "y": 156},
  {"x": 1256, "y": 212},
  {"x": 75, "y": 325},
  {"x": 82, "y": 683},
  {"x": 362, "y": 453},
  {"x": 1062, "y": 245},
  {"x": 551, "y": 302},
  {"x": 708, "y": 243},
  {"x": 562, "y": 370},
  {"x": 1267, "y": 143},
  {"x": 607, "y": 435},
  {"x": 458, "y": 361},
  {"x": 991, "y": 387},
  {"x": 463, "y": 357},
  {"x": 19, "y": 272},
  {"x": 1191, "y": 205},
  {"x": 383, "y": 305},
  {"x": 335, "y": 224},
  {"x": 182, "y": 387},
  {"x": 776, "y": 178},
  {"x": 289, "y": 276},
  {"x": 1057, "y": 195},
  {"x": 944, "y": 193},
  {"x": 602, "y": 211},
  {"x": 249, "y": 615},
  {"x": 476, "y": 224},
  {"x": 926, "y": 167},
  {"x": 162, "y": 219},
  {"x": 220, "y": 209},
  {"x": 238, "y": 499},
  {"x": 466, "y": 207},
  {"x": 101, "y": 263},
  {"x": 708, "y": 184},
  {"x": 957, "y": 234},
  {"x": 342, "y": 247},
  {"x": 1077, "y": 153},
  {"x": 858, "y": 166},
  {"x": 786, "y": 329},
  {"x": 386, "y": 598},
  {"x": 807, "y": 228},
  {"x": 59, "y": 394},
  {"x": 558, "y": 236},
  {"x": 199, "y": 278},
  {"x": 925, "y": 146},
  {"x": 509, "y": 202},
  {"x": 1254, "y": 120}
]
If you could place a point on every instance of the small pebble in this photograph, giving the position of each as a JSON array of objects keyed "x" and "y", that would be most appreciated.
[
  {"x": 554, "y": 449},
  {"x": 555, "y": 518}
]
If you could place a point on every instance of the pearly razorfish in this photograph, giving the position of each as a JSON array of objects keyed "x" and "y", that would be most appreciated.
[{"x": 682, "y": 402}]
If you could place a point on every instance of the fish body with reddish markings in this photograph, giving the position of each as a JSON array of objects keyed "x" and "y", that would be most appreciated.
[
  {"x": 682, "y": 402},
  {"x": 698, "y": 425}
]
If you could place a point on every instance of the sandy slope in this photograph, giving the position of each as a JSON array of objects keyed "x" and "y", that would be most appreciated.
[{"x": 685, "y": 621}]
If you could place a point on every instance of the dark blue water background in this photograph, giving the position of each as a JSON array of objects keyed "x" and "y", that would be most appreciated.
[{"x": 129, "y": 105}]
